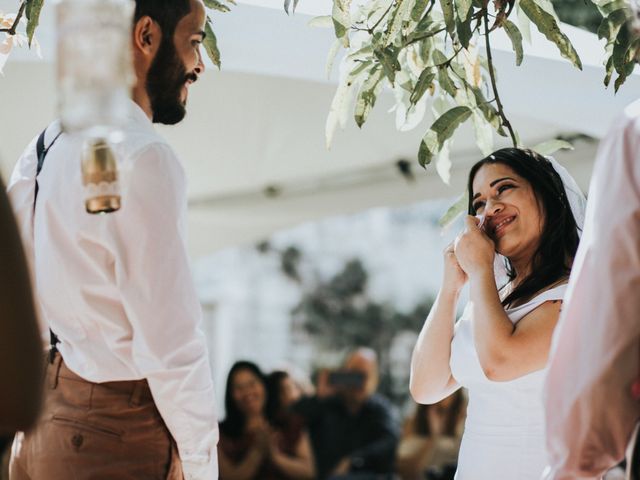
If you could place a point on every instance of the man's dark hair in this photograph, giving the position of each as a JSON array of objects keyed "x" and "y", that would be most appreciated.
[
  {"x": 559, "y": 240},
  {"x": 167, "y": 13}
]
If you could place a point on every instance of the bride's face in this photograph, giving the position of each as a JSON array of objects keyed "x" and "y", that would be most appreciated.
[{"x": 513, "y": 217}]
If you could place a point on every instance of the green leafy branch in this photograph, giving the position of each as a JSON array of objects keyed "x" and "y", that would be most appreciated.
[
  {"x": 211, "y": 41},
  {"x": 30, "y": 8},
  {"x": 431, "y": 55},
  {"x": 622, "y": 44},
  {"x": 428, "y": 52}
]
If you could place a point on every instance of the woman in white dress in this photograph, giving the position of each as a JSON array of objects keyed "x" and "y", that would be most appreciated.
[{"x": 527, "y": 209}]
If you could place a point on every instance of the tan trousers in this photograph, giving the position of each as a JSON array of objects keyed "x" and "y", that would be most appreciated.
[{"x": 95, "y": 431}]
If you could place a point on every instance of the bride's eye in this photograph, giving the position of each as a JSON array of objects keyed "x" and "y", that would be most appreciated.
[
  {"x": 504, "y": 187},
  {"x": 477, "y": 206}
]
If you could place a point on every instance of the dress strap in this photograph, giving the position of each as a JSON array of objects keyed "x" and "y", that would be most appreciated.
[{"x": 555, "y": 293}]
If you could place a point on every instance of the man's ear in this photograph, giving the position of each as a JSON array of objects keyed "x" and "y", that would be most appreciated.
[{"x": 146, "y": 36}]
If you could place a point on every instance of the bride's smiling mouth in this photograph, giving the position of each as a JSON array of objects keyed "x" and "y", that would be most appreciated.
[{"x": 498, "y": 226}]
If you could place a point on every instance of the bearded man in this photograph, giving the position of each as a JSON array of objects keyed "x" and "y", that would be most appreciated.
[{"x": 129, "y": 393}]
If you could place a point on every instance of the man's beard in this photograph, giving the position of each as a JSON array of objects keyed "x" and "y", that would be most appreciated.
[{"x": 167, "y": 76}]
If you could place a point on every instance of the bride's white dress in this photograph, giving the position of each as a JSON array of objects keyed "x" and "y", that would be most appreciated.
[{"x": 504, "y": 431}]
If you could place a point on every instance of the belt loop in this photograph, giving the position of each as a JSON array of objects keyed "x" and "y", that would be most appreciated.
[
  {"x": 56, "y": 365},
  {"x": 136, "y": 394}
]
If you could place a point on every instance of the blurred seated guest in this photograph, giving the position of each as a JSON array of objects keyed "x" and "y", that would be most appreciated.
[
  {"x": 282, "y": 392},
  {"x": 353, "y": 431},
  {"x": 253, "y": 445},
  {"x": 431, "y": 439}
]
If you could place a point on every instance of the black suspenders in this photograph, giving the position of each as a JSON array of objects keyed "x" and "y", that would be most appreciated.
[{"x": 42, "y": 151}]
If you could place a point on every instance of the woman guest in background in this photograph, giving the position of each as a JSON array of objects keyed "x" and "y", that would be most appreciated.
[
  {"x": 254, "y": 446},
  {"x": 282, "y": 392},
  {"x": 431, "y": 439},
  {"x": 528, "y": 209}
]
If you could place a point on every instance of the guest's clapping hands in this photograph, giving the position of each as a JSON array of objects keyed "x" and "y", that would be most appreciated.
[
  {"x": 260, "y": 430},
  {"x": 473, "y": 249}
]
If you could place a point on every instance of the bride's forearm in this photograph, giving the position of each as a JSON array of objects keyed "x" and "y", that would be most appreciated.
[
  {"x": 492, "y": 328},
  {"x": 430, "y": 371}
]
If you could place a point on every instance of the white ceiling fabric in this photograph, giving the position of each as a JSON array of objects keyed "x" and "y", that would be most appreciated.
[{"x": 260, "y": 123}]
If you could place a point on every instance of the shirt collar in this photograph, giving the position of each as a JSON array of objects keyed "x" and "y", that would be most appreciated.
[{"x": 138, "y": 117}]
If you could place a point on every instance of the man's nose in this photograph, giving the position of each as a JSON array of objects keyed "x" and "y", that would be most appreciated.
[{"x": 199, "y": 70}]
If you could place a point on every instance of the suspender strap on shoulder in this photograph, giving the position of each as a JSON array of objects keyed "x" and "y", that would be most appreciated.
[{"x": 41, "y": 152}]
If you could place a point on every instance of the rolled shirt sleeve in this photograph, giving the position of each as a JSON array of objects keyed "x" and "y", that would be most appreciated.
[
  {"x": 590, "y": 409},
  {"x": 159, "y": 297}
]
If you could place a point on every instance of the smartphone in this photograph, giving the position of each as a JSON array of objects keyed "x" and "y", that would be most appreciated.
[{"x": 347, "y": 379}]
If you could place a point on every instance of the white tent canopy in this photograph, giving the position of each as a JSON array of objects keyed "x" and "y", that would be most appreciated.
[{"x": 258, "y": 125}]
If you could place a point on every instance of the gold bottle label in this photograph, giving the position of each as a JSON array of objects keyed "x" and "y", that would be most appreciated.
[{"x": 100, "y": 178}]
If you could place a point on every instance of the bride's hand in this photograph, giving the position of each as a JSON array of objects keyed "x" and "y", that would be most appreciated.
[
  {"x": 473, "y": 249},
  {"x": 454, "y": 277}
]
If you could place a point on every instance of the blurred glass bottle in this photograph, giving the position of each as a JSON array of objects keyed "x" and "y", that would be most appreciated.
[{"x": 95, "y": 76}]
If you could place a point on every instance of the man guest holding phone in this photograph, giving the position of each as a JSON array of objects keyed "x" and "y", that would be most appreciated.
[{"x": 353, "y": 431}]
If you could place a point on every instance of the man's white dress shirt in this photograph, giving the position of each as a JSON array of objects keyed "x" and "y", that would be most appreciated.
[
  {"x": 117, "y": 288},
  {"x": 590, "y": 409}
]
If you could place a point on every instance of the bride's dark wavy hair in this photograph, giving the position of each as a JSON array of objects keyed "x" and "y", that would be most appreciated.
[{"x": 559, "y": 240}]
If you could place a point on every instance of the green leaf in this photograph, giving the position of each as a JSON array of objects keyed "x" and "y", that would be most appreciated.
[
  {"x": 449, "y": 19},
  {"x": 216, "y": 5},
  {"x": 355, "y": 73},
  {"x": 464, "y": 8},
  {"x": 463, "y": 28},
  {"x": 548, "y": 26},
  {"x": 443, "y": 163},
  {"x": 399, "y": 17},
  {"x": 441, "y": 131},
  {"x": 342, "y": 20},
  {"x": 444, "y": 80},
  {"x": 483, "y": 131},
  {"x": 323, "y": 21},
  {"x": 489, "y": 112},
  {"x": 331, "y": 56},
  {"x": 609, "y": 71},
  {"x": 418, "y": 9},
  {"x": 523, "y": 23},
  {"x": 388, "y": 58},
  {"x": 552, "y": 146},
  {"x": 339, "y": 111},
  {"x": 610, "y": 26},
  {"x": 606, "y": 7},
  {"x": 629, "y": 64},
  {"x": 422, "y": 85},
  {"x": 211, "y": 44},
  {"x": 32, "y": 11},
  {"x": 459, "y": 207},
  {"x": 515, "y": 36},
  {"x": 368, "y": 94}
]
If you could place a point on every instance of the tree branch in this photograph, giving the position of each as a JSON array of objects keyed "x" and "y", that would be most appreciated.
[
  {"x": 492, "y": 74},
  {"x": 424, "y": 37},
  {"x": 372, "y": 29},
  {"x": 433, "y": 2},
  {"x": 12, "y": 30}
]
